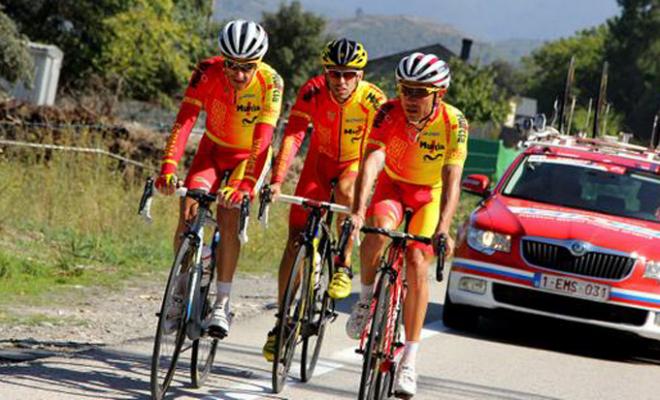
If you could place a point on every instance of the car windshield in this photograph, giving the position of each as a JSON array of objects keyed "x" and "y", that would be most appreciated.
[{"x": 587, "y": 185}]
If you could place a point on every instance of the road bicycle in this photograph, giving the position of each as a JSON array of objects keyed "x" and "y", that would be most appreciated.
[
  {"x": 306, "y": 307},
  {"x": 381, "y": 345},
  {"x": 190, "y": 286}
]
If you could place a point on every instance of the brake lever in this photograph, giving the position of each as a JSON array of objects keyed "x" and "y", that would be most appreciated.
[
  {"x": 244, "y": 219},
  {"x": 441, "y": 251},
  {"x": 144, "y": 208},
  {"x": 265, "y": 198}
]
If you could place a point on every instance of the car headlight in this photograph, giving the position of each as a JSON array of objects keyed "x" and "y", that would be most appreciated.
[
  {"x": 488, "y": 242},
  {"x": 652, "y": 270}
]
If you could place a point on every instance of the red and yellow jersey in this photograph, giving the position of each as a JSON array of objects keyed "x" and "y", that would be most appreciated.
[
  {"x": 414, "y": 156},
  {"x": 339, "y": 130},
  {"x": 231, "y": 115}
]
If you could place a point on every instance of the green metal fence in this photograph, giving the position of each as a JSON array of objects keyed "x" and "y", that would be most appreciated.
[{"x": 488, "y": 157}]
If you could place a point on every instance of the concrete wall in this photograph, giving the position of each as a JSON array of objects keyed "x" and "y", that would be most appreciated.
[{"x": 47, "y": 65}]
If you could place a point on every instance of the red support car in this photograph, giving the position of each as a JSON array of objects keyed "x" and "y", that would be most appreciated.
[{"x": 571, "y": 231}]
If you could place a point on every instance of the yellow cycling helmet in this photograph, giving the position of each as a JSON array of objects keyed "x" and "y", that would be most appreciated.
[{"x": 344, "y": 53}]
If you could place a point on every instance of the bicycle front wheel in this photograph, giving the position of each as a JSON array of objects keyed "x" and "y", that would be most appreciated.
[
  {"x": 170, "y": 332},
  {"x": 371, "y": 380},
  {"x": 289, "y": 321},
  {"x": 316, "y": 319},
  {"x": 204, "y": 348}
]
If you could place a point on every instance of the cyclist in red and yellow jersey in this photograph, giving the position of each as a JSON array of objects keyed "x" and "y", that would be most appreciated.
[
  {"x": 242, "y": 98},
  {"x": 420, "y": 144},
  {"x": 341, "y": 106}
]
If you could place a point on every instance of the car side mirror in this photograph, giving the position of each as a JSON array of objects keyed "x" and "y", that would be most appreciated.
[{"x": 476, "y": 184}]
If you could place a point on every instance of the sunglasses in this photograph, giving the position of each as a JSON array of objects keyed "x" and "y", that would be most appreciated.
[
  {"x": 338, "y": 73},
  {"x": 417, "y": 92},
  {"x": 243, "y": 67}
]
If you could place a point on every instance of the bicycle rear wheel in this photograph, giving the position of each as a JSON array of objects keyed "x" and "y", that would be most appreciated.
[
  {"x": 204, "y": 348},
  {"x": 170, "y": 334},
  {"x": 289, "y": 321},
  {"x": 371, "y": 380},
  {"x": 317, "y": 318}
]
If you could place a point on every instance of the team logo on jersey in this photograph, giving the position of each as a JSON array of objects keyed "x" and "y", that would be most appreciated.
[
  {"x": 374, "y": 100},
  {"x": 433, "y": 146},
  {"x": 354, "y": 131},
  {"x": 248, "y": 121},
  {"x": 428, "y": 157},
  {"x": 248, "y": 108},
  {"x": 383, "y": 114},
  {"x": 199, "y": 75},
  {"x": 309, "y": 94}
]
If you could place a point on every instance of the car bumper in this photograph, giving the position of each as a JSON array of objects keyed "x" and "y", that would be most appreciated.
[{"x": 513, "y": 289}]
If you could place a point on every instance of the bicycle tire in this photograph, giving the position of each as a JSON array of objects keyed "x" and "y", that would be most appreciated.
[
  {"x": 317, "y": 319},
  {"x": 373, "y": 350},
  {"x": 289, "y": 322},
  {"x": 204, "y": 348},
  {"x": 160, "y": 386}
]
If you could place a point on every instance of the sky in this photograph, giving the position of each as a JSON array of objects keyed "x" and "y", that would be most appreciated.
[{"x": 491, "y": 20}]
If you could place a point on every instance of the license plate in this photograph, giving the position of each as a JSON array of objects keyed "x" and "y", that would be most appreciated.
[{"x": 572, "y": 287}]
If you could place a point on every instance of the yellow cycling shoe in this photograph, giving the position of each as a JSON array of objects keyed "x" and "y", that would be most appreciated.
[
  {"x": 269, "y": 347},
  {"x": 340, "y": 286}
]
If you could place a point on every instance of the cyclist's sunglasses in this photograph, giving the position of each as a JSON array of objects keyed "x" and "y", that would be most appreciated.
[
  {"x": 348, "y": 74},
  {"x": 238, "y": 66},
  {"x": 417, "y": 92}
]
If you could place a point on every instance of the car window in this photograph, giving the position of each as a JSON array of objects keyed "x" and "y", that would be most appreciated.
[{"x": 586, "y": 185}]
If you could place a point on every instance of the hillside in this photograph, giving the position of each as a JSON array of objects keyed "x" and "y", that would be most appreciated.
[{"x": 387, "y": 34}]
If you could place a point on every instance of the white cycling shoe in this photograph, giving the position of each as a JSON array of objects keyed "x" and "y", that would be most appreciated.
[
  {"x": 405, "y": 381},
  {"x": 219, "y": 321}
]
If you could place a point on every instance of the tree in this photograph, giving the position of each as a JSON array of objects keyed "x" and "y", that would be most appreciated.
[
  {"x": 149, "y": 49},
  {"x": 295, "y": 43},
  {"x": 473, "y": 91},
  {"x": 146, "y": 48},
  {"x": 633, "y": 51},
  {"x": 547, "y": 66},
  {"x": 508, "y": 78},
  {"x": 15, "y": 61}
]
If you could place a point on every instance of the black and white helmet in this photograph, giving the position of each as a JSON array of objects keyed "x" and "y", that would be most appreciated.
[
  {"x": 424, "y": 68},
  {"x": 243, "y": 40}
]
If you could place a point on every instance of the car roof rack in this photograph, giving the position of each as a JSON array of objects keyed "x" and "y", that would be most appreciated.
[{"x": 612, "y": 145}]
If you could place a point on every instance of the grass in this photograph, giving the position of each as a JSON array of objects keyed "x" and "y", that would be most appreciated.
[{"x": 70, "y": 220}]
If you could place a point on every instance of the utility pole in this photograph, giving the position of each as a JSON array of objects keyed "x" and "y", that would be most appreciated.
[
  {"x": 570, "y": 75},
  {"x": 600, "y": 100}
]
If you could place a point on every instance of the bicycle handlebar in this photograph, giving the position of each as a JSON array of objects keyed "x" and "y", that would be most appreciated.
[
  {"x": 200, "y": 196},
  {"x": 266, "y": 197},
  {"x": 440, "y": 247}
]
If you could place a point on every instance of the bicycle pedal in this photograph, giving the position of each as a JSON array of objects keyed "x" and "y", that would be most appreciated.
[
  {"x": 359, "y": 351},
  {"x": 158, "y": 314}
]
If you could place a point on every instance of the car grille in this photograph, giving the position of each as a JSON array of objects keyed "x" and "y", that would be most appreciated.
[
  {"x": 593, "y": 264},
  {"x": 570, "y": 306}
]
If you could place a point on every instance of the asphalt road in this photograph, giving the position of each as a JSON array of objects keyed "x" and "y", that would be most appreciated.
[{"x": 506, "y": 358}]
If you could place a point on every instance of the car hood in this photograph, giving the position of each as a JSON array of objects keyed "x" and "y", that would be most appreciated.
[{"x": 518, "y": 217}]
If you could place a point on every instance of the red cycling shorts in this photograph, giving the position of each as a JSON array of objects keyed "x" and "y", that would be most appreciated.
[
  {"x": 391, "y": 198},
  {"x": 315, "y": 182},
  {"x": 212, "y": 162}
]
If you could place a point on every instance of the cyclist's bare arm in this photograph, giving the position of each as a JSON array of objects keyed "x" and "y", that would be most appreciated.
[
  {"x": 373, "y": 162},
  {"x": 451, "y": 192}
]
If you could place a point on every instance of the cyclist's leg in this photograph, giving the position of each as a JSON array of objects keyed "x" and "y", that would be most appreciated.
[
  {"x": 426, "y": 203},
  {"x": 229, "y": 246},
  {"x": 308, "y": 186},
  {"x": 202, "y": 175},
  {"x": 340, "y": 286},
  {"x": 385, "y": 211}
]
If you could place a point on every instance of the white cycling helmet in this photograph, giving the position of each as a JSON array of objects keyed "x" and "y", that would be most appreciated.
[
  {"x": 424, "y": 68},
  {"x": 243, "y": 40}
]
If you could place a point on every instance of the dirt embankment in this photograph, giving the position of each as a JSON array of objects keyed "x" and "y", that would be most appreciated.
[{"x": 82, "y": 127}]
